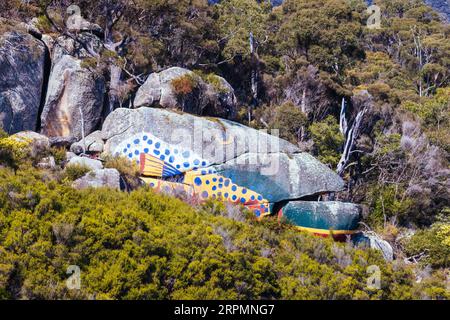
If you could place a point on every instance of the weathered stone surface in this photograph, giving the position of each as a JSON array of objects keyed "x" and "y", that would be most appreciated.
[
  {"x": 88, "y": 162},
  {"x": 74, "y": 93},
  {"x": 99, "y": 178},
  {"x": 93, "y": 143},
  {"x": 22, "y": 62},
  {"x": 70, "y": 155},
  {"x": 68, "y": 46},
  {"x": 324, "y": 215},
  {"x": 47, "y": 163},
  {"x": 215, "y": 140},
  {"x": 32, "y": 137},
  {"x": 62, "y": 142},
  {"x": 372, "y": 240},
  {"x": 212, "y": 99},
  {"x": 278, "y": 176}
]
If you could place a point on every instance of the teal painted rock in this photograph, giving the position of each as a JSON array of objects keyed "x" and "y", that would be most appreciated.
[{"x": 321, "y": 217}]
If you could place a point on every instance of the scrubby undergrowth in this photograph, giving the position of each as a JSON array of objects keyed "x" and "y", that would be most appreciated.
[{"x": 141, "y": 245}]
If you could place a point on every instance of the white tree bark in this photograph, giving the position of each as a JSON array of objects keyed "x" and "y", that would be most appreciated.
[
  {"x": 342, "y": 119},
  {"x": 353, "y": 133}
]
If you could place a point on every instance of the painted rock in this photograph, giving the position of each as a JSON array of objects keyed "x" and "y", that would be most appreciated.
[
  {"x": 322, "y": 218},
  {"x": 215, "y": 140},
  {"x": 279, "y": 176}
]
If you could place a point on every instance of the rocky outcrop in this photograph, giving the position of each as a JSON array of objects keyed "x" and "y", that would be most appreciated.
[
  {"x": 92, "y": 143},
  {"x": 374, "y": 241},
  {"x": 215, "y": 140},
  {"x": 74, "y": 100},
  {"x": 64, "y": 45},
  {"x": 32, "y": 137},
  {"x": 92, "y": 164},
  {"x": 221, "y": 159},
  {"x": 22, "y": 63},
  {"x": 179, "y": 88},
  {"x": 109, "y": 178}
]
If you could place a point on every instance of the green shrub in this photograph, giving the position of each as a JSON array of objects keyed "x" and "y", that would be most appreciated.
[
  {"x": 328, "y": 140},
  {"x": 129, "y": 170},
  {"x": 432, "y": 243},
  {"x": 142, "y": 245},
  {"x": 73, "y": 172},
  {"x": 289, "y": 119},
  {"x": 12, "y": 151}
]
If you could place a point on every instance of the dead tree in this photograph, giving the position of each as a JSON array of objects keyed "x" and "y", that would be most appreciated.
[
  {"x": 351, "y": 137},
  {"x": 254, "y": 75}
]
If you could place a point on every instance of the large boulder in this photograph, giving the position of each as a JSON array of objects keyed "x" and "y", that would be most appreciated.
[
  {"x": 32, "y": 138},
  {"x": 74, "y": 100},
  {"x": 127, "y": 133},
  {"x": 279, "y": 176},
  {"x": 253, "y": 159},
  {"x": 179, "y": 88},
  {"x": 322, "y": 217},
  {"x": 22, "y": 64},
  {"x": 109, "y": 178}
]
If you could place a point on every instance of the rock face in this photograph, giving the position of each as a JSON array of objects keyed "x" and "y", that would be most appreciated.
[
  {"x": 372, "y": 240},
  {"x": 74, "y": 100},
  {"x": 215, "y": 140},
  {"x": 67, "y": 46},
  {"x": 193, "y": 95},
  {"x": 109, "y": 178},
  {"x": 221, "y": 159},
  {"x": 22, "y": 63}
]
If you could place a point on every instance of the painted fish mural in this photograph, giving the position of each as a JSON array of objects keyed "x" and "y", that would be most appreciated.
[
  {"x": 169, "y": 168},
  {"x": 165, "y": 167}
]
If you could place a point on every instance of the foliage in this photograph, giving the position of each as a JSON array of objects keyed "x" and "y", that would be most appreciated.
[
  {"x": 128, "y": 170},
  {"x": 290, "y": 120},
  {"x": 433, "y": 243},
  {"x": 73, "y": 172},
  {"x": 141, "y": 245},
  {"x": 328, "y": 140},
  {"x": 12, "y": 151},
  {"x": 184, "y": 85}
]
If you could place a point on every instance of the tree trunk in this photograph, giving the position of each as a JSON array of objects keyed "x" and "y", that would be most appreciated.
[{"x": 350, "y": 141}]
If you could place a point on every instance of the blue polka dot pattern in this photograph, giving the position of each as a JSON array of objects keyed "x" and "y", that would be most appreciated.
[{"x": 146, "y": 143}]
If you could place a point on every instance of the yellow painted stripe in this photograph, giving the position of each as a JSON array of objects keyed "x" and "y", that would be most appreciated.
[{"x": 323, "y": 231}]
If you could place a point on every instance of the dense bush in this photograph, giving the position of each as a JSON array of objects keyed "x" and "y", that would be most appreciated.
[{"x": 141, "y": 245}]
